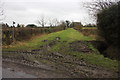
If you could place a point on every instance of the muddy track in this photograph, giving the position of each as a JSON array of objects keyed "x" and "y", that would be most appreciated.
[
  {"x": 56, "y": 62},
  {"x": 63, "y": 64},
  {"x": 32, "y": 70},
  {"x": 28, "y": 63}
]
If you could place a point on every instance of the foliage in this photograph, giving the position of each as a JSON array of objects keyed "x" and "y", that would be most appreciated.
[
  {"x": 108, "y": 24},
  {"x": 108, "y": 27},
  {"x": 98, "y": 5}
]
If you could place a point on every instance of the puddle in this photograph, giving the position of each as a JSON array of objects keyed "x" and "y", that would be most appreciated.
[{"x": 8, "y": 73}]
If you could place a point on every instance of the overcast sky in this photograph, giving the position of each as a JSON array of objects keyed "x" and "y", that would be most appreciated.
[{"x": 29, "y": 11}]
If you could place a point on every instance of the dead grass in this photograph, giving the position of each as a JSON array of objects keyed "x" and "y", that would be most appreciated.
[
  {"x": 37, "y": 36},
  {"x": 23, "y": 42}
]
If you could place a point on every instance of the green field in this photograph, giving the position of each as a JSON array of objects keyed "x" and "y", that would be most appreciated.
[{"x": 66, "y": 37}]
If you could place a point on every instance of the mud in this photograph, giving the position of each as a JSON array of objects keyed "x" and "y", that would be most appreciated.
[
  {"x": 60, "y": 67},
  {"x": 55, "y": 64},
  {"x": 80, "y": 46}
]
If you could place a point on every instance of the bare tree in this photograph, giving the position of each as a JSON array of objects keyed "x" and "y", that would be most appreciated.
[
  {"x": 98, "y": 5},
  {"x": 55, "y": 21},
  {"x": 42, "y": 21},
  {"x": 50, "y": 22},
  {"x": 62, "y": 24}
]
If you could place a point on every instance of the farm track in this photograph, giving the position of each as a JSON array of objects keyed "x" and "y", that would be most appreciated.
[
  {"x": 41, "y": 70},
  {"x": 27, "y": 63},
  {"x": 56, "y": 62},
  {"x": 82, "y": 63},
  {"x": 68, "y": 64}
]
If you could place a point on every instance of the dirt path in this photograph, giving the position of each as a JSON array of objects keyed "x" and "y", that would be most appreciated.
[
  {"x": 14, "y": 70},
  {"x": 61, "y": 70},
  {"x": 45, "y": 64},
  {"x": 10, "y": 73}
]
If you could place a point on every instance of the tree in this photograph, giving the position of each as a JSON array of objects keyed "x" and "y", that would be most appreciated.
[
  {"x": 6, "y": 25},
  {"x": 67, "y": 24},
  {"x": 50, "y": 23},
  {"x": 98, "y": 5},
  {"x": 62, "y": 24},
  {"x": 107, "y": 13},
  {"x": 42, "y": 21},
  {"x": 55, "y": 22},
  {"x": 18, "y": 25},
  {"x": 108, "y": 23}
]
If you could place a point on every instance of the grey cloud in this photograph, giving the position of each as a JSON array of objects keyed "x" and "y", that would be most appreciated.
[
  {"x": 13, "y": 6},
  {"x": 28, "y": 11}
]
